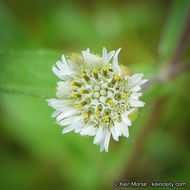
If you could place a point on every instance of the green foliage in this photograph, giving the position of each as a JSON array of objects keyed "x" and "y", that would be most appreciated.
[
  {"x": 173, "y": 28},
  {"x": 28, "y": 72}
]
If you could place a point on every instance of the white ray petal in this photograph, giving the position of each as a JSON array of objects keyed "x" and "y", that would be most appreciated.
[
  {"x": 115, "y": 64},
  {"x": 78, "y": 123},
  {"x": 57, "y": 102},
  {"x": 73, "y": 122},
  {"x": 60, "y": 65},
  {"x": 136, "y": 77},
  {"x": 136, "y": 103},
  {"x": 63, "y": 90},
  {"x": 136, "y": 80},
  {"x": 107, "y": 140},
  {"x": 125, "y": 129},
  {"x": 62, "y": 70},
  {"x": 104, "y": 53},
  {"x": 66, "y": 114},
  {"x": 59, "y": 105},
  {"x": 114, "y": 133},
  {"x": 126, "y": 119},
  {"x": 67, "y": 129},
  {"x": 143, "y": 81},
  {"x": 107, "y": 56},
  {"x": 75, "y": 66},
  {"x": 135, "y": 89},
  {"x": 110, "y": 55},
  {"x": 91, "y": 61},
  {"x": 135, "y": 96},
  {"x": 67, "y": 121},
  {"x": 65, "y": 63},
  {"x": 102, "y": 144},
  {"x": 99, "y": 135},
  {"x": 89, "y": 131},
  {"x": 118, "y": 128},
  {"x": 55, "y": 113}
]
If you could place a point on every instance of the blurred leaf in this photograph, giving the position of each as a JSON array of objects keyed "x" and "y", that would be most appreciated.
[
  {"x": 173, "y": 28},
  {"x": 28, "y": 72}
]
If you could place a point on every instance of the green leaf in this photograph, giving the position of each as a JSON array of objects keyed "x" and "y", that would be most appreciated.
[
  {"x": 28, "y": 72},
  {"x": 173, "y": 29}
]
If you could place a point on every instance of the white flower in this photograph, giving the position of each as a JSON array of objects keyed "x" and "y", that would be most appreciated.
[{"x": 94, "y": 98}]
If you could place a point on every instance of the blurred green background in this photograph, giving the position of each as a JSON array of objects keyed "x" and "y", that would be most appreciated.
[{"x": 33, "y": 36}]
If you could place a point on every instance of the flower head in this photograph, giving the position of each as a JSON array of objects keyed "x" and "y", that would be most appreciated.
[{"x": 94, "y": 97}]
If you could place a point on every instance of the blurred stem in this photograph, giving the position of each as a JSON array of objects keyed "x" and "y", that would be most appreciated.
[
  {"x": 183, "y": 40},
  {"x": 173, "y": 69},
  {"x": 166, "y": 73}
]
